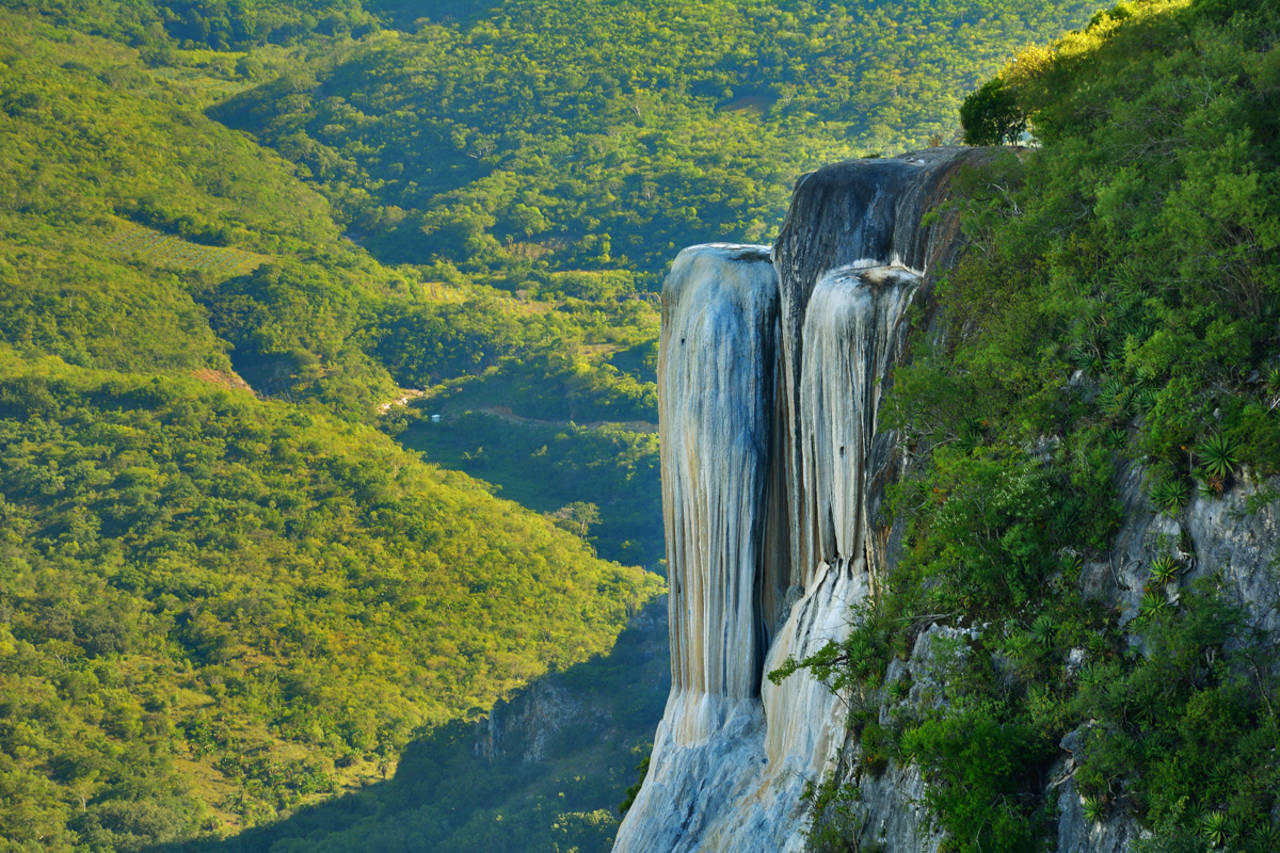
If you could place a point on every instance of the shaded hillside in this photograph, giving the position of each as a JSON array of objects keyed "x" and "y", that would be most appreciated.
[{"x": 544, "y": 772}]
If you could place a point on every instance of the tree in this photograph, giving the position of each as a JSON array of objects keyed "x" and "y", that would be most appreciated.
[
  {"x": 577, "y": 517},
  {"x": 991, "y": 115}
]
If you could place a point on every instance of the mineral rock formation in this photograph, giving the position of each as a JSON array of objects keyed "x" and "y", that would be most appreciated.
[{"x": 771, "y": 368}]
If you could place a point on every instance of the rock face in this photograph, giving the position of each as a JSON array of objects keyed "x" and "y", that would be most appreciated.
[
  {"x": 562, "y": 716},
  {"x": 1232, "y": 538},
  {"x": 857, "y": 214},
  {"x": 771, "y": 368},
  {"x": 772, "y": 363},
  {"x": 716, "y": 378}
]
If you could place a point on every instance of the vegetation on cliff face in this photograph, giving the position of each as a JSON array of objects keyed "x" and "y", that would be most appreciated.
[{"x": 1117, "y": 307}]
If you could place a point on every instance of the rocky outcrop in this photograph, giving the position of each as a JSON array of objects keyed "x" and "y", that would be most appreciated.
[
  {"x": 716, "y": 378},
  {"x": 563, "y": 715},
  {"x": 1230, "y": 539},
  {"x": 772, "y": 364},
  {"x": 860, "y": 213}
]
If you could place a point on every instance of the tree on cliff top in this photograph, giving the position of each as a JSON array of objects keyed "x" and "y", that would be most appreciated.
[{"x": 991, "y": 115}]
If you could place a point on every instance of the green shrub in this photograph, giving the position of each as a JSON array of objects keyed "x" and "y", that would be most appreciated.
[
  {"x": 991, "y": 115},
  {"x": 1168, "y": 496},
  {"x": 877, "y": 747},
  {"x": 978, "y": 766},
  {"x": 1219, "y": 458}
]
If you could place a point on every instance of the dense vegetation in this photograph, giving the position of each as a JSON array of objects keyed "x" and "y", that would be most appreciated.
[
  {"x": 196, "y": 584},
  {"x": 202, "y": 576},
  {"x": 550, "y": 467},
  {"x": 225, "y": 590},
  {"x": 1117, "y": 308},
  {"x": 592, "y": 724},
  {"x": 564, "y": 134},
  {"x": 159, "y": 25}
]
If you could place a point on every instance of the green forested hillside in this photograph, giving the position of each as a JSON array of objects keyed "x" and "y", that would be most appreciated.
[
  {"x": 160, "y": 25},
  {"x": 213, "y": 606},
  {"x": 225, "y": 589},
  {"x": 462, "y": 788},
  {"x": 552, "y": 134},
  {"x": 95, "y": 145},
  {"x": 1116, "y": 312},
  {"x": 198, "y": 586}
]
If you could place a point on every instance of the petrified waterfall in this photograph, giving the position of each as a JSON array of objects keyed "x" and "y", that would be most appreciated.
[
  {"x": 716, "y": 366},
  {"x": 771, "y": 367}
]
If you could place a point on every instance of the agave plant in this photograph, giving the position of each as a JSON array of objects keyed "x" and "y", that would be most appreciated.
[
  {"x": 1168, "y": 496},
  {"x": 1145, "y": 398},
  {"x": 1213, "y": 828},
  {"x": 1164, "y": 569},
  {"x": 1219, "y": 456},
  {"x": 1152, "y": 605},
  {"x": 1235, "y": 827},
  {"x": 1042, "y": 630},
  {"x": 1084, "y": 354},
  {"x": 1093, "y": 809},
  {"x": 1113, "y": 396},
  {"x": 1265, "y": 837}
]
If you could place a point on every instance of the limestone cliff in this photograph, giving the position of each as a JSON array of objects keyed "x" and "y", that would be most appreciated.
[{"x": 772, "y": 363}]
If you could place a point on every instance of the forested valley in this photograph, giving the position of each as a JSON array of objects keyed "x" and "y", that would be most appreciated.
[{"x": 327, "y": 415}]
